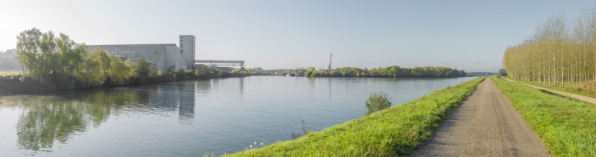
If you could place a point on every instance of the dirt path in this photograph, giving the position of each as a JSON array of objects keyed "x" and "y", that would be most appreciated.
[
  {"x": 575, "y": 96},
  {"x": 485, "y": 124}
]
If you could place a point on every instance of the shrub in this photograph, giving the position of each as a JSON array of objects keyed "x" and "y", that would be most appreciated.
[
  {"x": 216, "y": 72},
  {"x": 224, "y": 74},
  {"x": 377, "y": 101}
]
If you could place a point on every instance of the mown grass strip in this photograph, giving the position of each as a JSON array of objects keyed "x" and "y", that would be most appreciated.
[
  {"x": 566, "y": 126},
  {"x": 394, "y": 131},
  {"x": 566, "y": 89}
]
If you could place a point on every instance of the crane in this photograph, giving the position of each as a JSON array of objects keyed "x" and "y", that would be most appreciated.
[{"x": 330, "y": 56}]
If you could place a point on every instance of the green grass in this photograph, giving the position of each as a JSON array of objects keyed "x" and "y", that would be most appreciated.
[
  {"x": 566, "y": 126},
  {"x": 394, "y": 131},
  {"x": 566, "y": 89}
]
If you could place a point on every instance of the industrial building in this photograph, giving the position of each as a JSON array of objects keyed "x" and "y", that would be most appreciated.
[{"x": 162, "y": 57}]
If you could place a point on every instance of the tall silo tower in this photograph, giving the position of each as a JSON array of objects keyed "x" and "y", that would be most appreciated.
[{"x": 187, "y": 49}]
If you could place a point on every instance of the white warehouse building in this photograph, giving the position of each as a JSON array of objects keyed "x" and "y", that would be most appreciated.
[{"x": 163, "y": 57}]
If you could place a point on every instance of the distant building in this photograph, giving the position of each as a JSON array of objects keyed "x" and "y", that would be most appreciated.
[
  {"x": 163, "y": 57},
  {"x": 187, "y": 49}
]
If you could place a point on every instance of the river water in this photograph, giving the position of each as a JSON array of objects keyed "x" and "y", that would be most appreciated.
[{"x": 190, "y": 118}]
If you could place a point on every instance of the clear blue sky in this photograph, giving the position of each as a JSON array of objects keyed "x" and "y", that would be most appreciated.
[{"x": 469, "y": 35}]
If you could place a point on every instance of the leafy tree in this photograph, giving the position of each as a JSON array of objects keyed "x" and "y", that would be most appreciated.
[
  {"x": 502, "y": 72},
  {"x": 556, "y": 54},
  {"x": 32, "y": 52},
  {"x": 391, "y": 72},
  {"x": 101, "y": 65},
  {"x": 142, "y": 68},
  {"x": 202, "y": 71},
  {"x": 45, "y": 55},
  {"x": 310, "y": 71},
  {"x": 131, "y": 68},
  {"x": 119, "y": 71}
]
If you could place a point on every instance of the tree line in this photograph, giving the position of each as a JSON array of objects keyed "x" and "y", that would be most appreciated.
[
  {"x": 557, "y": 53},
  {"x": 51, "y": 58},
  {"x": 391, "y": 71}
]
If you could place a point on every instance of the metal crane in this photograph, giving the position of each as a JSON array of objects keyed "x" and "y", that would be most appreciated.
[{"x": 330, "y": 56}]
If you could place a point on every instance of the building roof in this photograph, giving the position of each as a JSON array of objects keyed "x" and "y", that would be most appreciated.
[{"x": 151, "y": 52}]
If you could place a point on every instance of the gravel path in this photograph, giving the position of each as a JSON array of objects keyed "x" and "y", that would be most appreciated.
[{"x": 485, "y": 124}]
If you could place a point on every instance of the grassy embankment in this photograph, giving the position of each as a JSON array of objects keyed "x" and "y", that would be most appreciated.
[
  {"x": 394, "y": 131},
  {"x": 566, "y": 126},
  {"x": 579, "y": 90}
]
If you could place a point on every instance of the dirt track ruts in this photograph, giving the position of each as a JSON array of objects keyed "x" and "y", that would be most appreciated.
[
  {"x": 485, "y": 124},
  {"x": 575, "y": 96}
]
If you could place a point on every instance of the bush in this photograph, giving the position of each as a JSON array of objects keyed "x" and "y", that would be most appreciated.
[
  {"x": 216, "y": 72},
  {"x": 224, "y": 74},
  {"x": 377, "y": 102}
]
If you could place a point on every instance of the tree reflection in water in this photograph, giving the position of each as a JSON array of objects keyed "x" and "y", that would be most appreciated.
[
  {"x": 41, "y": 124},
  {"x": 57, "y": 117}
]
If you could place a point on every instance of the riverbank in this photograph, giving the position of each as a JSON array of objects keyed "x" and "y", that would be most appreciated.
[
  {"x": 566, "y": 126},
  {"x": 21, "y": 84},
  {"x": 395, "y": 131}
]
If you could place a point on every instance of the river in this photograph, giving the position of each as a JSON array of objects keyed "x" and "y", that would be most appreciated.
[{"x": 190, "y": 118}]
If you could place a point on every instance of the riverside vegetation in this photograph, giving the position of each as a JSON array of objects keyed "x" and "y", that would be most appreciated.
[
  {"x": 397, "y": 130},
  {"x": 56, "y": 62},
  {"x": 391, "y": 71},
  {"x": 566, "y": 126}
]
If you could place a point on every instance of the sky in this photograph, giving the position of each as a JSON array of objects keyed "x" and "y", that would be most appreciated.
[{"x": 275, "y": 34}]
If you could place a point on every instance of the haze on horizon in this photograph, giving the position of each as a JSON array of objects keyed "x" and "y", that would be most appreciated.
[{"x": 468, "y": 35}]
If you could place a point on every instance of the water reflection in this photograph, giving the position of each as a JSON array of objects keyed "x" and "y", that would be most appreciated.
[
  {"x": 189, "y": 118},
  {"x": 41, "y": 125},
  {"x": 57, "y": 118},
  {"x": 241, "y": 86}
]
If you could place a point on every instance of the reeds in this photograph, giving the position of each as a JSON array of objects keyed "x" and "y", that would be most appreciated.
[{"x": 305, "y": 130}]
